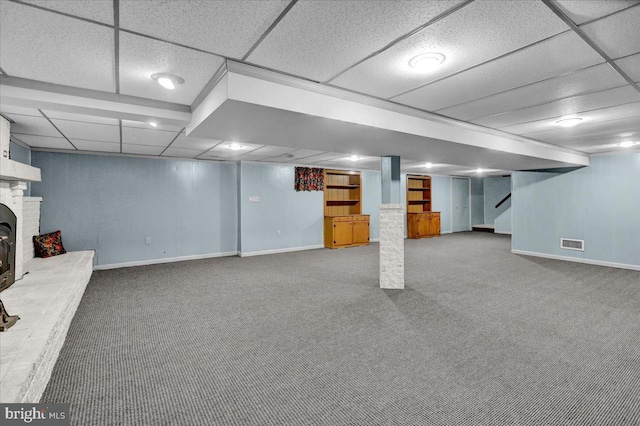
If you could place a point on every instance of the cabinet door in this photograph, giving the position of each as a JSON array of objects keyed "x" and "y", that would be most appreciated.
[
  {"x": 435, "y": 225},
  {"x": 342, "y": 233},
  {"x": 424, "y": 225},
  {"x": 360, "y": 232}
]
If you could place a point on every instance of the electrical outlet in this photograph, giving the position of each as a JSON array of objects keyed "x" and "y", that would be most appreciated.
[
  {"x": 147, "y": 240},
  {"x": 278, "y": 233}
]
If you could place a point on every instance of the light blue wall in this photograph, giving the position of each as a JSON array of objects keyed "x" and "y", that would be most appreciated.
[
  {"x": 441, "y": 201},
  {"x": 297, "y": 215},
  {"x": 495, "y": 189},
  {"x": 599, "y": 204},
  {"x": 19, "y": 153},
  {"x": 111, "y": 204},
  {"x": 372, "y": 197},
  {"x": 477, "y": 201},
  {"x": 503, "y": 222}
]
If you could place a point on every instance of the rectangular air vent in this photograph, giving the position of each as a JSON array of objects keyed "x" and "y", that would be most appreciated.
[{"x": 570, "y": 244}]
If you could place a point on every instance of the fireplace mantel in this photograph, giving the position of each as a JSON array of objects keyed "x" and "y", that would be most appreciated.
[{"x": 11, "y": 170}]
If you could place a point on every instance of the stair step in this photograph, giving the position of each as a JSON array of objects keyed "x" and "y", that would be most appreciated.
[{"x": 484, "y": 228}]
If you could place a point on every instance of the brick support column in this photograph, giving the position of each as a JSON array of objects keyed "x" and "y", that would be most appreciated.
[{"x": 391, "y": 246}]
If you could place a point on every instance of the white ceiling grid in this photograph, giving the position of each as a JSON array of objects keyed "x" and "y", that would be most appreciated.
[{"x": 511, "y": 65}]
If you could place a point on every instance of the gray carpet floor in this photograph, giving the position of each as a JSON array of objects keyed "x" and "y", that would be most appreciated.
[{"x": 479, "y": 337}]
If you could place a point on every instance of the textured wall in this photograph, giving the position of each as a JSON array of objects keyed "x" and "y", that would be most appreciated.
[
  {"x": 599, "y": 204},
  {"x": 112, "y": 204}
]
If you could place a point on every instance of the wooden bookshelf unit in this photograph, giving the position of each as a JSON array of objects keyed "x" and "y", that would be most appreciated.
[
  {"x": 421, "y": 221},
  {"x": 344, "y": 223}
]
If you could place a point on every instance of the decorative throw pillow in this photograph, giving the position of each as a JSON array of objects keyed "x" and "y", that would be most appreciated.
[{"x": 48, "y": 245}]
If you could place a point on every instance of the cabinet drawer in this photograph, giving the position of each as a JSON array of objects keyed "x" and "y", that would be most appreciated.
[
  {"x": 360, "y": 218},
  {"x": 342, "y": 219}
]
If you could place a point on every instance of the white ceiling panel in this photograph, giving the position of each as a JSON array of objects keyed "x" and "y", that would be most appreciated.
[
  {"x": 591, "y": 133},
  {"x": 327, "y": 156},
  {"x": 511, "y": 71},
  {"x": 81, "y": 117},
  {"x": 590, "y": 122},
  {"x": 196, "y": 144},
  {"x": 88, "y": 131},
  {"x": 142, "y": 57},
  {"x": 30, "y": 125},
  {"x": 478, "y": 32},
  {"x": 141, "y": 149},
  {"x": 222, "y": 150},
  {"x": 318, "y": 39},
  {"x": 84, "y": 145},
  {"x": 228, "y": 28},
  {"x": 596, "y": 78},
  {"x": 45, "y": 46},
  {"x": 10, "y": 109},
  {"x": 581, "y": 11},
  {"x": 631, "y": 66},
  {"x": 577, "y": 104},
  {"x": 95, "y": 10},
  {"x": 272, "y": 151},
  {"x": 146, "y": 125},
  {"x": 179, "y": 152},
  {"x": 617, "y": 34},
  {"x": 304, "y": 153},
  {"x": 46, "y": 142},
  {"x": 135, "y": 136}
]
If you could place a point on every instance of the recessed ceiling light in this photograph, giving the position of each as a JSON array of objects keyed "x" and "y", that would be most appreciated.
[
  {"x": 235, "y": 146},
  {"x": 625, "y": 135},
  {"x": 427, "y": 61},
  {"x": 168, "y": 81},
  {"x": 153, "y": 124},
  {"x": 479, "y": 170},
  {"x": 569, "y": 122},
  {"x": 627, "y": 144},
  {"x": 428, "y": 165},
  {"x": 354, "y": 158}
]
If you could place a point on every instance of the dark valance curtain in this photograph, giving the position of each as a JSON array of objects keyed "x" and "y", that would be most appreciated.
[{"x": 309, "y": 179}]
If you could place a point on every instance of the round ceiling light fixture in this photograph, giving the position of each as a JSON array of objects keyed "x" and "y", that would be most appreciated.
[
  {"x": 627, "y": 144},
  {"x": 428, "y": 165},
  {"x": 479, "y": 170},
  {"x": 153, "y": 124},
  {"x": 168, "y": 81},
  {"x": 235, "y": 146},
  {"x": 354, "y": 158},
  {"x": 427, "y": 61},
  {"x": 569, "y": 122}
]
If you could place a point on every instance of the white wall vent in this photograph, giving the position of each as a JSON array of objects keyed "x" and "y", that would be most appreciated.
[{"x": 571, "y": 244}]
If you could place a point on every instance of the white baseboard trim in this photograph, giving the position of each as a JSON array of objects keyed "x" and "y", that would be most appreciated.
[
  {"x": 446, "y": 232},
  {"x": 578, "y": 260},
  {"x": 377, "y": 240},
  {"x": 282, "y": 250},
  {"x": 163, "y": 260}
]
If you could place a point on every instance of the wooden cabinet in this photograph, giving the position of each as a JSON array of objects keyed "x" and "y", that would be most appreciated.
[
  {"x": 346, "y": 231},
  {"x": 421, "y": 221},
  {"x": 344, "y": 225},
  {"x": 423, "y": 225}
]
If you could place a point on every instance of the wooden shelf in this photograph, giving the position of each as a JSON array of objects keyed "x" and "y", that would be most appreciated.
[
  {"x": 421, "y": 221},
  {"x": 342, "y": 186},
  {"x": 344, "y": 223},
  {"x": 342, "y": 201},
  {"x": 418, "y": 189},
  {"x": 419, "y": 201}
]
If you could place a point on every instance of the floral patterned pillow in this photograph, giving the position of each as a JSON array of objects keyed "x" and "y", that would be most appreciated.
[{"x": 48, "y": 245}]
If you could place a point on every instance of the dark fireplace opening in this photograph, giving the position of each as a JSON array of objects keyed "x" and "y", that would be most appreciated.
[{"x": 8, "y": 224}]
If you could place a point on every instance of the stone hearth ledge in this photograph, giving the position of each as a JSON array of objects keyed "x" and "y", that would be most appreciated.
[{"x": 45, "y": 299}]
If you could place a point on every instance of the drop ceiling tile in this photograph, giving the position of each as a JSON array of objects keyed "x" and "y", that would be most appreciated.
[
  {"x": 179, "y": 152},
  {"x": 478, "y": 32},
  {"x": 581, "y": 11},
  {"x": 135, "y": 136},
  {"x": 60, "y": 49},
  {"x": 319, "y": 39},
  {"x": 96, "y": 10},
  {"x": 84, "y": 145},
  {"x": 574, "y": 105},
  {"x": 272, "y": 151},
  {"x": 146, "y": 125},
  {"x": 46, "y": 142},
  {"x": 617, "y": 34},
  {"x": 631, "y": 66},
  {"x": 141, "y": 149},
  {"x": 10, "y": 109},
  {"x": 511, "y": 71},
  {"x": 304, "y": 153},
  {"x": 590, "y": 133},
  {"x": 222, "y": 150},
  {"x": 142, "y": 57},
  {"x": 591, "y": 118},
  {"x": 30, "y": 125},
  {"x": 196, "y": 144},
  {"x": 228, "y": 28},
  {"x": 323, "y": 157},
  {"x": 88, "y": 131},
  {"x": 591, "y": 79},
  {"x": 80, "y": 117}
]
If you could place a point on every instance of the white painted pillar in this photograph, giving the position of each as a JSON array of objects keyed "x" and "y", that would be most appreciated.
[{"x": 391, "y": 225}]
